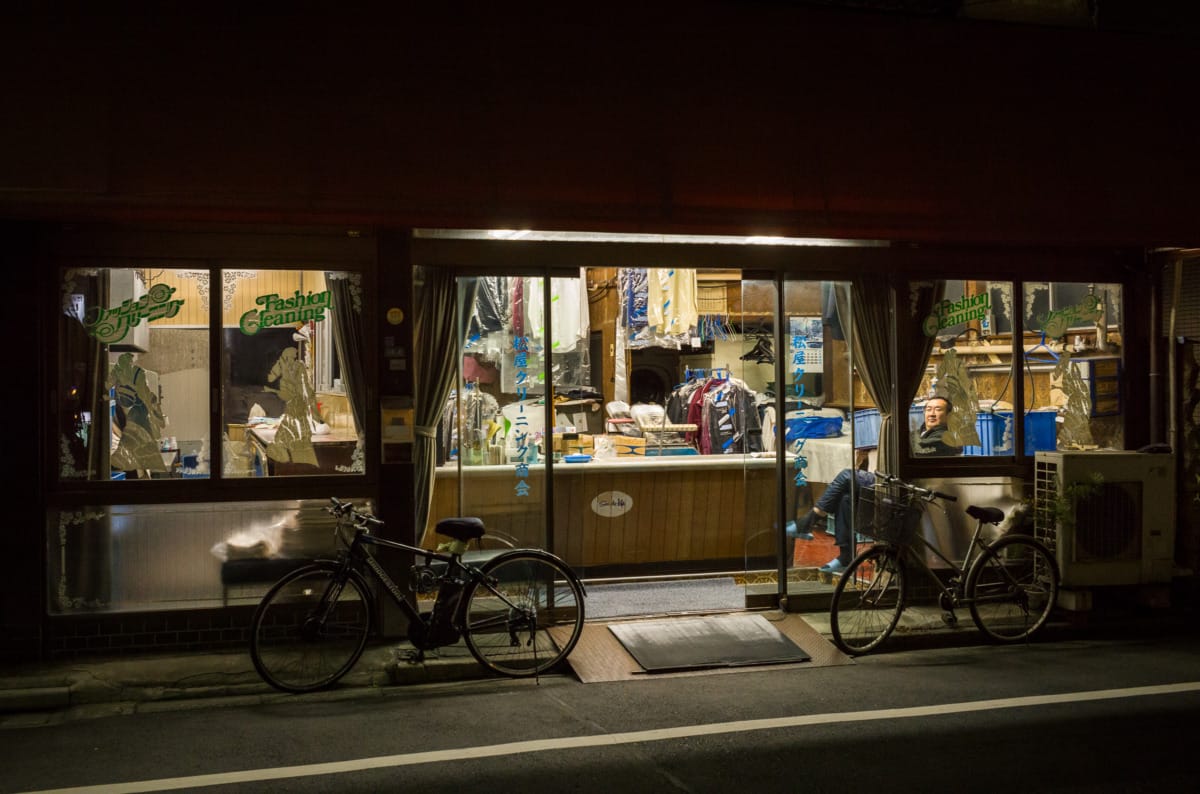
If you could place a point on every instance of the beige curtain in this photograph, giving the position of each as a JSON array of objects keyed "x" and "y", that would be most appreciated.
[
  {"x": 869, "y": 304},
  {"x": 441, "y": 311},
  {"x": 865, "y": 309}
]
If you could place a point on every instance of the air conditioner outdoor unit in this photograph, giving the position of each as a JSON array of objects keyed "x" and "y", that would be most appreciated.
[{"x": 1109, "y": 517}]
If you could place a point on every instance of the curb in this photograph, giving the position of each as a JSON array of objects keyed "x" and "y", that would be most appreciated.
[
  {"x": 108, "y": 683},
  {"x": 45, "y": 698}
]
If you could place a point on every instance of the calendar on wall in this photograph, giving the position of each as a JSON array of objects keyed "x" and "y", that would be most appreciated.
[{"x": 806, "y": 337}]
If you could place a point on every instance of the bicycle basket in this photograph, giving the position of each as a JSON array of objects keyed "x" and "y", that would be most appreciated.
[{"x": 886, "y": 513}]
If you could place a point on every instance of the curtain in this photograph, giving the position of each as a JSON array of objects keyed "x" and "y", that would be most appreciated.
[
  {"x": 348, "y": 336},
  {"x": 441, "y": 312},
  {"x": 871, "y": 300},
  {"x": 868, "y": 305}
]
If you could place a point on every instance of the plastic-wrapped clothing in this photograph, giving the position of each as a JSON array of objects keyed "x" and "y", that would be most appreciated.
[
  {"x": 493, "y": 306},
  {"x": 671, "y": 300},
  {"x": 633, "y": 297},
  {"x": 729, "y": 420}
]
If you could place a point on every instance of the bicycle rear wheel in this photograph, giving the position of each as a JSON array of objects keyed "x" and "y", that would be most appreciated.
[
  {"x": 309, "y": 629},
  {"x": 526, "y": 616},
  {"x": 1012, "y": 588},
  {"x": 868, "y": 600}
]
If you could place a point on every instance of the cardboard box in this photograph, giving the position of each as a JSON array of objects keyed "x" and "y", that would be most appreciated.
[
  {"x": 628, "y": 445},
  {"x": 580, "y": 445}
]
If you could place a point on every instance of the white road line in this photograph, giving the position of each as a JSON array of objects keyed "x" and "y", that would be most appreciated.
[{"x": 608, "y": 740}]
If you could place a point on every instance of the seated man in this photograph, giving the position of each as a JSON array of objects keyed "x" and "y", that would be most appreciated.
[
  {"x": 837, "y": 497},
  {"x": 928, "y": 439}
]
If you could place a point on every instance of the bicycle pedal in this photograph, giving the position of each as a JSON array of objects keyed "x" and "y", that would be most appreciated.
[
  {"x": 950, "y": 619},
  {"x": 414, "y": 656}
]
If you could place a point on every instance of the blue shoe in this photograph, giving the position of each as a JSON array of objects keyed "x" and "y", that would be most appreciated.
[
  {"x": 804, "y": 527},
  {"x": 793, "y": 532},
  {"x": 833, "y": 566}
]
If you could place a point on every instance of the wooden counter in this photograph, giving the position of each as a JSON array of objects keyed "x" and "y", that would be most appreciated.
[{"x": 627, "y": 511}]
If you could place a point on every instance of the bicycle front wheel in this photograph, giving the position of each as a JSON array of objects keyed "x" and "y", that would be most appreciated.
[
  {"x": 1012, "y": 588},
  {"x": 868, "y": 600},
  {"x": 525, "y": 615},
  {"x": 310, "y": 628}
]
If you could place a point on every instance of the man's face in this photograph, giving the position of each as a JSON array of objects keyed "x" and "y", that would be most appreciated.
[{"x": 935, "y": 413}]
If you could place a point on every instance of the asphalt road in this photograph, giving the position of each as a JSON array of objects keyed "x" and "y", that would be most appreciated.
[{"x": 1113, "y": 714}]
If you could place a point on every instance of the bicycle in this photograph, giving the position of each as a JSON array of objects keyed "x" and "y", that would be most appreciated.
[
  {"x": 519, "y": 613},
  {"x": 1010, "y": 585}
]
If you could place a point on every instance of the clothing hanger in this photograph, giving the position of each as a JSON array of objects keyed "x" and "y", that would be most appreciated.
[{"x": 1041, "y": 353}]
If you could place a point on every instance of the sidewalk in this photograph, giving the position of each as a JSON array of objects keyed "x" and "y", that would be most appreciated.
[
  {"x": 37, "y": 693},
  {"x": 40, "y": 693}
]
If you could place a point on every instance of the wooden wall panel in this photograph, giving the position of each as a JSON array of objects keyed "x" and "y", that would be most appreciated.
[{"x": 678, "y": 514}]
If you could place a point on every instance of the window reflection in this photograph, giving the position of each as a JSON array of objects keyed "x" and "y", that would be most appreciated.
[{"x": 1070, "y": 366}]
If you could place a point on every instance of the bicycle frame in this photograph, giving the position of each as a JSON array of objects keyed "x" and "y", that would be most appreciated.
[
  {"x": 356, "y": 554},
  {"x": 954, "y": 590}
]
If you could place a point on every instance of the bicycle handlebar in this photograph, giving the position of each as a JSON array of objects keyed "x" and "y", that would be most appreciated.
[
  {"x": 925, "y": 493},
  {"x": 340, "y": 508}
]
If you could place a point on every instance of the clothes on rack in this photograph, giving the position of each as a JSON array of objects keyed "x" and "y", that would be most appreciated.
[{"x": 724, "y": 410}]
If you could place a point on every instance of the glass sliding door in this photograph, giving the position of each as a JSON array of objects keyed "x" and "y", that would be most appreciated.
[
  {"x": 824, "y": 428},
  {"x": 754, "y": 355},
  {"x": 493, "y": 426}
]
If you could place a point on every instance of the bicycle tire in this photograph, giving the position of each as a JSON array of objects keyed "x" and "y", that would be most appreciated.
[
  {"x": 1012, "y": 588},
  {"x": 541, "y": 627},
  {"x": 291, "y": 648},
  {"x": 868, "y": 600}
]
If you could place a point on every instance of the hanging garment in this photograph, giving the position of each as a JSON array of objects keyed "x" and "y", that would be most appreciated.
[
  {"x": 729, "y": 420},
  {"x": 568, "y": 311},
  {"x": 633, "y": 297},
  {"x": 671, "y": 300}
]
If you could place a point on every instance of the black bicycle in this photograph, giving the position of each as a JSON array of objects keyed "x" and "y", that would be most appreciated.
[
  {"x": 519, "y": 613},
  {"x": 1010, "y": 584}
]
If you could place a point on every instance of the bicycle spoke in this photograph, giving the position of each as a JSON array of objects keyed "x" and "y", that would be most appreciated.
[
  {"x": 1012, "y": 588},
  {"x": 526, "y": 617},
  {"x": 868, "y": 600},
  {"x": 301, "y": 640}
]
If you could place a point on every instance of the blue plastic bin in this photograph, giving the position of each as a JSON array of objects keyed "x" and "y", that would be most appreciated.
[
  {"x": 1041, "y": 431},
  {"x": 866, "y": 428},
  {"x": 813, "y": 427},
  {"x": 996, "y": 433}
]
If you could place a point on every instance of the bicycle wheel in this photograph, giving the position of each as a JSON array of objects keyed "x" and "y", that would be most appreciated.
[
  {"x": 1011, "y": 588},
  {"x": 868, "y": 600},
  {"x": 526, "y": 616},
  {"x": 309, "y": 630}
]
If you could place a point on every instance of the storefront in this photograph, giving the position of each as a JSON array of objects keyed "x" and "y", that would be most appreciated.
[
  {"x": 659, "y": 456},
  {"x": 624, "y": 417},
  {"x": 258, "y": 291}
]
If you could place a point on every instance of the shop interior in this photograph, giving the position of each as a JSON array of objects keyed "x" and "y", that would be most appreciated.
[{"x": 661, "y": 441}]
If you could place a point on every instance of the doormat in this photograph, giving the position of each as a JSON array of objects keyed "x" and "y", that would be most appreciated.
[
  {"x": 712, "y": 641},
  {"x": 658, "y": 598},
  {"x": 599, "y": 656}
]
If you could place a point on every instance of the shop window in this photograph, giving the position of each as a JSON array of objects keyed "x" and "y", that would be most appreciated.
[
  {"x": 204, "y": 555},
  {"x": 1074, "y": 344},
  {"x": 134, "y": 374},
  {"x": 1070, "y": 367},
  {"x": 964, "y": 404},
  {"x": 291, "y": 373}
]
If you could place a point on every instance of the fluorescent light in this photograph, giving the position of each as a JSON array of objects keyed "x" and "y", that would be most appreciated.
[{"x": 613, "y": 237}]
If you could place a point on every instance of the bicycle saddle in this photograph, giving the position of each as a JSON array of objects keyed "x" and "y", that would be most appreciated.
[
  {"x": 464, "y": 528},
  {"x": 992, "y": 515}
]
